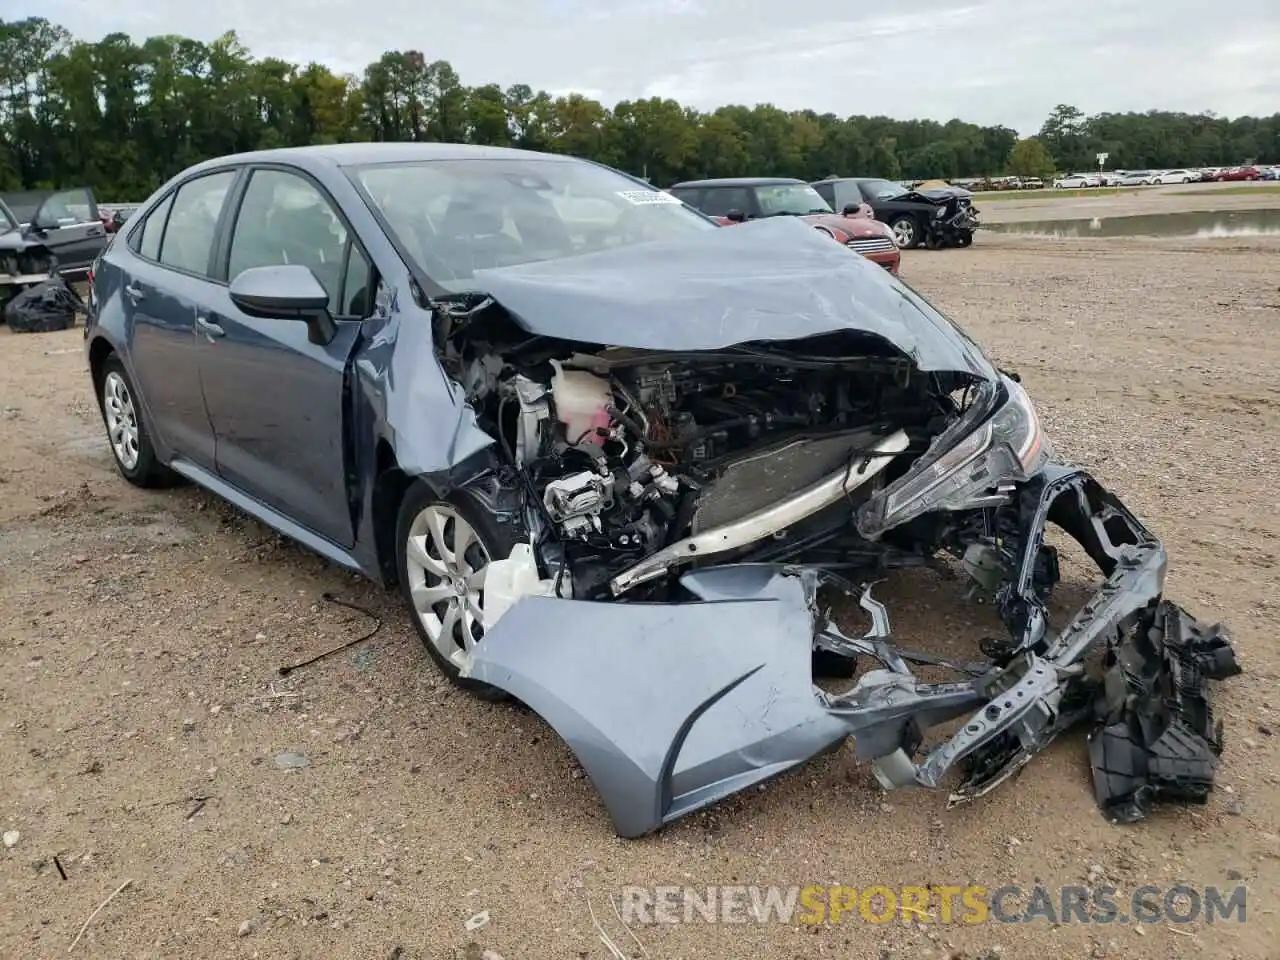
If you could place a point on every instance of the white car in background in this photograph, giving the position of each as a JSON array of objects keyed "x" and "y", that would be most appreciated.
[
  {"x": 1137, "y": 178},
  {"x": 1176, "y": 176},
  {"x": 1074, "y": 181}
]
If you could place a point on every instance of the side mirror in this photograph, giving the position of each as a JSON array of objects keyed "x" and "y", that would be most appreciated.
[
  {"x": 285, "y": 292},
  {"x": 851, "y": 209},
  {"x": 737, "y": 216}
]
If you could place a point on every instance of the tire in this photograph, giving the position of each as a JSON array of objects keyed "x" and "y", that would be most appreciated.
[
  {"x": 965, "y": 239},
  {"x": 127, "y": 433},
  {"x": 906, "y": 231},
  {"x": 1186, "y": 179},
  {"x": 432, "y": 522}
]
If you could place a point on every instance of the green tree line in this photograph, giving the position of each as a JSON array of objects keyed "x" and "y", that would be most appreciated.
[{"x": 124, "y": 116}]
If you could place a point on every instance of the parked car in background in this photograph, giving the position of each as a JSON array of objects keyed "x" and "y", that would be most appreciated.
[
  {"x": 1136, "y": 178},
  {"x": 1032, "y": 183},
  {"x": 739, "y": 199},
  {"x": 943, "y": 216},
  {"x": 43, "y": 231},
  {"x": 1270, "y": 173},
  {"x": 114, "y": 217},
  {"x": 1076, "y": 181},
  {"x": 1248, "y": 172},
  {"x": 1176, "y": 176}
]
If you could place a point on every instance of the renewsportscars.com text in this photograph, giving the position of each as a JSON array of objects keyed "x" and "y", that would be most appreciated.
[{"x": 967, "y": 904}]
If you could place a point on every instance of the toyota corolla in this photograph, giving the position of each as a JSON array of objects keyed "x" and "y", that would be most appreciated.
[{"x": 609, "y": 453}]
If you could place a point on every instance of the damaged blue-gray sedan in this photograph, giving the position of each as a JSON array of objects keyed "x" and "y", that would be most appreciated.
[{"x": 612, "y": 455}]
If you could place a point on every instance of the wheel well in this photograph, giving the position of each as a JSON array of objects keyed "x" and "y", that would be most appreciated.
[
  {"x": 99, "y": 350},
  {"x": 389, "y": 486}
]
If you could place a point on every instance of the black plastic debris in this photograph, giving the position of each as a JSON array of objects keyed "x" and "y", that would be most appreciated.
[
  {"x": 1156, "y": 737},
  {"x": 47, "y": 306}
]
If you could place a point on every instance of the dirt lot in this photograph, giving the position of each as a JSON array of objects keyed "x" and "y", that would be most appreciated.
[{"x": 140, "y": 635}]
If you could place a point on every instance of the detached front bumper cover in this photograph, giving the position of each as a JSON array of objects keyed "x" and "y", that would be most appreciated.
[{"x": 671, "y": 707}]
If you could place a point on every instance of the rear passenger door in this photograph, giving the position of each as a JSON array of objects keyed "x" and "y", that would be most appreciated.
[
  {"x": 165, "y": 282},
  {"x": 277, "y": 401}
]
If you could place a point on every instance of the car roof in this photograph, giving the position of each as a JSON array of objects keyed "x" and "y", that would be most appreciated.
[
  {"x": 849, "y": 179},
  {"x": 352, "y": 154},
  {"x": 737, "y": 182}
]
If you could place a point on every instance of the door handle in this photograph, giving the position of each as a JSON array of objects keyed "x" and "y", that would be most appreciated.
[
  {"x": 209, "y": 328},
  {"x": 134, "y": 292}
]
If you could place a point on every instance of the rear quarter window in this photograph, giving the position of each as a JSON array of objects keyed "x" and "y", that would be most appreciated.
[{"x": 146, "y": 239}]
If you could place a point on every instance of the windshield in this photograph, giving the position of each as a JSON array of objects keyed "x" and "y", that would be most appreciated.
[
  {"x": 458, "y": 216},
  {"x": 883, "y": 189},
  {"x": 794, "y": 199}
]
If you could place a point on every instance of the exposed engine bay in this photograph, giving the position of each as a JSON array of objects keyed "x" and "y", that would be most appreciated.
[{"x": 632, "y": 455}]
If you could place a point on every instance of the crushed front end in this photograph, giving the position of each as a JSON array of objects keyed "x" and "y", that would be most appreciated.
[
  {"x": 671, "y": 707},
  {"x": 684, "y": 483}
]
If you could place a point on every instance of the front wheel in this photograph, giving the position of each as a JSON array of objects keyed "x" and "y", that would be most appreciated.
[
  {"x": 905, "y": 232},
  {"x": 965, "y": 239},
  {"x": 127, "y": 433},
  {"x": 443, "y": 547}
]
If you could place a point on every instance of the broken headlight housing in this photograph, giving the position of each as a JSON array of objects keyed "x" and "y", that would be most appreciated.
[{"x": 979, "y": 469}]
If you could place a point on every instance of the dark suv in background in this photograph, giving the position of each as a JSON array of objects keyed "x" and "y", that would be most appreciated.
[{"x": 944, "y": 217}]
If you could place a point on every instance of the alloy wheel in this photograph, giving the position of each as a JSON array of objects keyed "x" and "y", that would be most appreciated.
[
  {"x": 122, "y": 419},
  {"x": 445, "y": 561},
  {"x": 904, "y": 232}
]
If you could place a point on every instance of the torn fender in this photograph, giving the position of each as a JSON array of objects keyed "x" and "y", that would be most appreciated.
[{"x": 671, "y": 707}]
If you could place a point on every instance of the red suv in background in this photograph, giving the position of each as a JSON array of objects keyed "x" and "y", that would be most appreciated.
[{"x": 737, "y": 199}]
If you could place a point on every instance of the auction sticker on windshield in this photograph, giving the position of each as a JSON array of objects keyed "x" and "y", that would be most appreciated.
[{"x": 639, "y": 197}]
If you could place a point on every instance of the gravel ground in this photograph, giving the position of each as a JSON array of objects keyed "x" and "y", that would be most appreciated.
[{"x": 361, "y": 808}]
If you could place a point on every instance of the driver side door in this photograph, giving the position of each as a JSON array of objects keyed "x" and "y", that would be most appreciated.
[{"x": 278, "y": 402}]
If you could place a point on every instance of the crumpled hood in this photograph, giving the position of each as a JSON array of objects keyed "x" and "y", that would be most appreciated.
[{"x": 774, "y": 279}]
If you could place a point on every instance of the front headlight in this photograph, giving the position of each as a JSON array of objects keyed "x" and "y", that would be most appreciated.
[
  {"x": 979, "y": 470},
  {"x": 939, "y": 213}
]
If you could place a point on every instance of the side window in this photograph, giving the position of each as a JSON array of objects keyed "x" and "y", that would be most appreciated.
[
  {"x": 284, "y": 219},
  {"x": 152, "y": 229},
  {"x": 65, "y": 208},
  {"x": 845, "y": 194},
  {"x": 690, "y": 195},
  {"x": 719, "y": 201},
  {"x": 193, "y": 221},
  {"x": 827, "y": 191}
]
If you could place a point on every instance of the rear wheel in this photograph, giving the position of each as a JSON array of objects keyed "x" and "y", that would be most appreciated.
[
  {"x": 443, "y": 547},
  {"x": 127, "y": 433}
]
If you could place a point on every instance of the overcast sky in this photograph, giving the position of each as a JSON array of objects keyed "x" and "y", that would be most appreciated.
[{"x": 989, "y": 62}]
